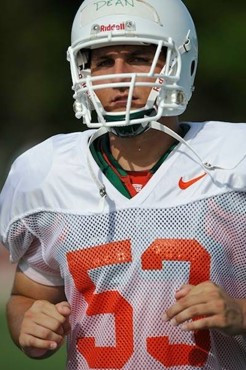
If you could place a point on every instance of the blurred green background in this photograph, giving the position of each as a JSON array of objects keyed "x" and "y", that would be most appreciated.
[{"x": 36, "y": 96}]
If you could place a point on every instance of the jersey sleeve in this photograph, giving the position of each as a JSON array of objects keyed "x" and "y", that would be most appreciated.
[
  {"x": 26, "y": 250},
  {"x": 17, "y": 203}
]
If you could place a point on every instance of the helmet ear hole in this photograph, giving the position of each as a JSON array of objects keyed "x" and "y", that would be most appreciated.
[
  {"x": 84, "y": 58},
  {"x": 192, "y": 67}
]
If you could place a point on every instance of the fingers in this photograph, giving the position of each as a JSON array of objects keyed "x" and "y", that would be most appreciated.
[
  {"x": 32, "y": 341},
  {"x": 205, "y": 306},
  {"x": 189, "y": 298},
  {"x": 187, "y": 307},
  {"x": 51, "y": 309},
  {"x": 45, "y": 315},
  {"x": 44, "y": 326},
  {"x": 65, "y": 309},
  {"x": 204, "y": 323},
  {"x": 179, "y": 314},
  {"x": 184, "y": 290}
]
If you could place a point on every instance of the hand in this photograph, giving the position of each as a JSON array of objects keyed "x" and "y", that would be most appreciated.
[
  {"x": 209, "y": 306},
  {"x": 44, "y": 327}
]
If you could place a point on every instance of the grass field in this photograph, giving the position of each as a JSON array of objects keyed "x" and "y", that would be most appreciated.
[{"x": 12, "y": 358}]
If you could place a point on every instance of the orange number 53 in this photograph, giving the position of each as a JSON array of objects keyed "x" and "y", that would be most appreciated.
[{"x": 161, "y": 250}]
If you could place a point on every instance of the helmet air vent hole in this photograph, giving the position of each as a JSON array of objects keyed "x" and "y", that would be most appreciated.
[{"x": 192, "y": 67}]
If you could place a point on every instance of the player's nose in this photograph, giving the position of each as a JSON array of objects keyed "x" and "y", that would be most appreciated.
[{"x": 120, "y": 67}]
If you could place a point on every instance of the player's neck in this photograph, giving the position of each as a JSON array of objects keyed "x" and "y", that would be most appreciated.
[{"x": 143, "y": 151}]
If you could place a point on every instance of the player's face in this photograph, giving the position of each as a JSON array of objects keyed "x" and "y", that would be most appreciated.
[{"x": 124, "y": 59}]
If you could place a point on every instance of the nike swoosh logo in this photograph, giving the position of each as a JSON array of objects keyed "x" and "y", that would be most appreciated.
[{"x": 186, "y": 184}]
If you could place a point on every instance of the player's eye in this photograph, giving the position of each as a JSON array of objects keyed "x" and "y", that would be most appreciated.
[
  {"x": 139, "y": 60},
  {"x": 105, "y": 63}
]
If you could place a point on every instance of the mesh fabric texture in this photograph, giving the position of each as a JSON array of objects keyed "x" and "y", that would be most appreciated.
[{"x": 122, "y": 269}]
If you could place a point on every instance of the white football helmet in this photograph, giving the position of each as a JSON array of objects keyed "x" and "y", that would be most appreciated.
[{"x": 164, "y": 23}]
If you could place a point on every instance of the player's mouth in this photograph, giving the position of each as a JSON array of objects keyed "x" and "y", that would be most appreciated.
[{"x": 121, "y": 101}]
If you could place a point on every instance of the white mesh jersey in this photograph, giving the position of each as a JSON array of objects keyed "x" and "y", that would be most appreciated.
[{"x": 122, "y": 265}]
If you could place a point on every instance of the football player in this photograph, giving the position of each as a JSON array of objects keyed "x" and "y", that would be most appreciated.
[{"x": 130, "y": 237}]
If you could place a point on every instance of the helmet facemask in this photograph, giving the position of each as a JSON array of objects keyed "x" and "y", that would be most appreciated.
[{"x": 164, "y": 94}]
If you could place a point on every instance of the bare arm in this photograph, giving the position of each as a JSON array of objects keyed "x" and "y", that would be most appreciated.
[{"x": 37, "y": 316}]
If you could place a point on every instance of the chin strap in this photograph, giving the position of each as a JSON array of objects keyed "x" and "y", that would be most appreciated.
[
  {"x": 102, "y": 190},
  {"x": 205, "y": 165},
  {"x": 160, "y": 127},
  {"x": 130, "y": 130}
]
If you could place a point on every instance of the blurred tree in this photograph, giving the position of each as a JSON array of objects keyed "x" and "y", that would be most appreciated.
[
  {"x": 36, "y": 95},
  {"x": 219, "y": 93},
  {"x": 36, "y": 86}
]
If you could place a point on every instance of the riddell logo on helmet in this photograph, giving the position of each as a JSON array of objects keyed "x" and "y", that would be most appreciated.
[{"x": 113, "y": 27}]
